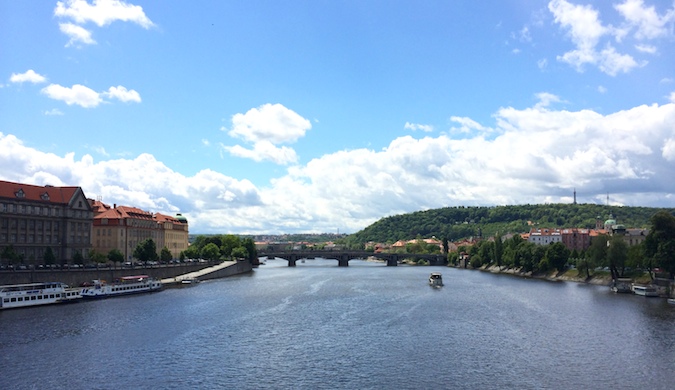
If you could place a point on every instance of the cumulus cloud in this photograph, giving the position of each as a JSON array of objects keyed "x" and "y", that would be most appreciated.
[
  {"x": 77, "y": 34},
  {"x": 265, "y": 128},
  {"x": 537, "y": 154},
  {"x": 77, "y": 94},
  {"x": 648, "y": 24},
  {"x": 102, "y": 12},
  {"x": 417, "y": 126},
  {"x": 54, "y": 112},
  {"x": 122, "y": 94},
  {"x": 29, "y": 76},
  {"x": 585, "y": 29},
  {"x": 86, "y": 97}
]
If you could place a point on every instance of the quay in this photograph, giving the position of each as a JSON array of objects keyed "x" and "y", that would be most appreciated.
[{"x": 226, "y": 268}]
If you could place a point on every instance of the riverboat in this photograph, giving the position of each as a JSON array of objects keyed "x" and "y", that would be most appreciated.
[
  {"x": 436, "y": 279},
  {"x": 671, "y": 301},
  {"x": 34, "y": 294},
  {"x": 189, "y": 281},
  {"x": 645, "y": 291},
  {"x": 123, "y": 286}
]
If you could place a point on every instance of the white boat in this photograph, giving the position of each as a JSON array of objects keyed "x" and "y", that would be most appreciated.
[
  {"x": 671, "y": 301},
  {"x": 34, "y": 294},
  {"x": 645, "y": 291},
  {"x": 436, "y": 279},
  {"x": 189, "y": 281},
  {"x": 124, "y": 286}
]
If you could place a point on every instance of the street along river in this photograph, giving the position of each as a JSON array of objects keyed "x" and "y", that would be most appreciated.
[{"x": 366, "y": 326}]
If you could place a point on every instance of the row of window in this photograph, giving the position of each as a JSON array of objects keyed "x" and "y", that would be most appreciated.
[
  {"x": 31, "y": 298},
  {"x": 29, "y": 238},
  {"x": 13, "y": 223}
]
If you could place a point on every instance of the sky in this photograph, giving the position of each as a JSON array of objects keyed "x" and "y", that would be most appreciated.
[{"x": 274, "y": 117}]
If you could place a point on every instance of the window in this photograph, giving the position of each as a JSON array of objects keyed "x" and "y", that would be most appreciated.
[
  {"x": 44, "y": 196},
  {"x": 20, "y": 194}
]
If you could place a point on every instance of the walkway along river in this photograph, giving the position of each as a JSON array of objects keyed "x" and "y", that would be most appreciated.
[{"x": 366, "y": 326}]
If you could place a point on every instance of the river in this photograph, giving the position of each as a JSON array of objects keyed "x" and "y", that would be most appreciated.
[{"x": 366, "y": 326}]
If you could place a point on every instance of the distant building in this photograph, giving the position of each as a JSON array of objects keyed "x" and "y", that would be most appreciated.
[
  {"x": 124, "y": 227},
  {"x": 544, "y": 236},
  {"x": 35, "y": 218},
  {"x": 576, "y": 239}
]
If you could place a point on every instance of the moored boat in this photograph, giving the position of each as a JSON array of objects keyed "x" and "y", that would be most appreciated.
[
  {"x": 35, "y": 294},
  {"x": 671, "y": 301},
  {"x": 645, "y": 291},
  {"x": 123, "y": 286},
  {"x": 436, "y": 279}
]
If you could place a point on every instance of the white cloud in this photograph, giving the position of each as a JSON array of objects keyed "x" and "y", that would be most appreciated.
[
  {"x": 602, "y": 89},
  {"x": 122, "y": 94},
  {"x": 77, "y": 94},
  {"x": 28, "y": 76},
  {"x": 646, "y": 48},
  {"x": 265, "y": 127},
  {"x": 264, "y": 151},
  {"x": 467, "y": 125},
  {"x": 647, "y": 22},
  {"x": 585, "y": 30},
  {"x": 54, "y": 112},
  {"x": 536, "y": 154},
  {"x": 671, "y": 97},
  {"x": 668, "y": 150},
  {"x": 102, "y": 12},
  {"x": 542, "y": 63},
  {"x": 76, "y": 34},
  {"x": 87, "y": 97},
  {"x": 417, "y": 126}
]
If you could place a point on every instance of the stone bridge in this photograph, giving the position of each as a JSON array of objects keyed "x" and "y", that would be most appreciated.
[{"x": 343, "y": 257}]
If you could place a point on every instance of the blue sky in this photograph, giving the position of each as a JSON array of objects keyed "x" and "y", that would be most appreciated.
[{"x": 318, "y": 116}]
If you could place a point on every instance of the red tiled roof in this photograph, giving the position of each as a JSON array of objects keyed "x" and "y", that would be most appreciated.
[{"x": 46, "y": 194}]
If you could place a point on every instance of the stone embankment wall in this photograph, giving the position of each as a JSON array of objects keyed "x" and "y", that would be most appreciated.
[{"x": 74, "y": 277}]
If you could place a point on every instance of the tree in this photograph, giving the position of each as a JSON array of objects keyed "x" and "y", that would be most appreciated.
[
  {"x": 97, "y": 257},
  {"x": 49, "y": 257},
  {"x": 557, "y": 255},
  {"x": 659, "y": 245},
  {"x": 211, "y": 252},
  {"x": 249, "y": 245},
  {"x": 240, "y": 253},
  {"x": 78, "y": 258},
  {"x": 9, "y": 254},
  {"x": 229, "y": 242},
  {"x": 146, "y": 250},
  {"x": 617, "y": 255},
  {"x": 498, "y": 250},
  {"x": 165, "y": 255},
  {"x": 597, "y": 252},
  {"x": 116, "y": 256}
]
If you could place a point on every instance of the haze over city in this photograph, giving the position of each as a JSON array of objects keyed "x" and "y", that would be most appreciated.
[{"x": 284, "y": 117}]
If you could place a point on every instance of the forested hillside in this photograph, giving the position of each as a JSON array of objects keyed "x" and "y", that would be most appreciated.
[{"x": 455, "y": 223}]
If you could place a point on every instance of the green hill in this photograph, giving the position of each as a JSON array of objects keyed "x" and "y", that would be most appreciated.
[{"x": 460, "y": 222}]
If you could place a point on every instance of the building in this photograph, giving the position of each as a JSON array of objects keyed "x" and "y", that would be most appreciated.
[
  {"x": 124, "y": 227},
  {"x": 544, "y": 236},
  {"x": 36, "y": 218},
  {"x": 175, "y": 233},
  {"x": 576, "y": 239}
]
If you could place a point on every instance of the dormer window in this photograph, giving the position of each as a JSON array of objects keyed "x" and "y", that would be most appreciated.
[
  {"x": 44, "y": 196},
  {"x": 20, "y": 193}
]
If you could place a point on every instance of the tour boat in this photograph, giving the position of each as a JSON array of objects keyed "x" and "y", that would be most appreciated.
[
  {"x": 435, "y": 279},
  {"x": 189, "y": 281},
  {"x": 34, "y": 294},
  {"x": 124, "y": 286},
  {"x": 645, "y": 291}
]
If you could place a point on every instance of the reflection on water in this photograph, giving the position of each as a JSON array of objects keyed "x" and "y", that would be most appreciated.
[{"x": 366, "y": 326}]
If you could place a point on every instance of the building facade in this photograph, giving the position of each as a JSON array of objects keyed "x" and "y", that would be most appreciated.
[
  {"x": 124, "y": 227},
  {"x": 34, "y": 219},
  {"x": 544, "y": 236}
]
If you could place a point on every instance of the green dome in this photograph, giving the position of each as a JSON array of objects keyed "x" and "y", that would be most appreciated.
[{"x": 181, "y": 218}]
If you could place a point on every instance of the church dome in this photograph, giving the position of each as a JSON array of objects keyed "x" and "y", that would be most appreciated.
[{"x": 181, "y": 218}]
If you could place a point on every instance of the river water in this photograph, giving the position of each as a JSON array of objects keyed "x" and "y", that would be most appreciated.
[{"x": 366, "y": 326}]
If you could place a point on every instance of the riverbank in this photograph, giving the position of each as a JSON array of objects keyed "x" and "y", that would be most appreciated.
[{"x": 599, "y": 279}]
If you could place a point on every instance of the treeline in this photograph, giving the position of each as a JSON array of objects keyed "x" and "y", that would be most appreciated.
[
  {"x": 221, "y": 247},
  {"x": 611, "y": 252},
  {"x": 455, "y": 223}
]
